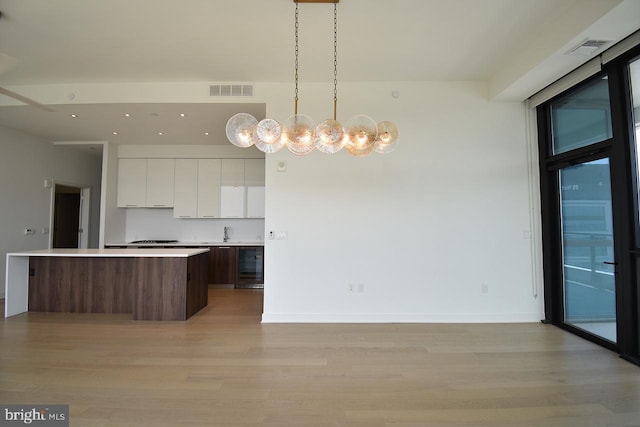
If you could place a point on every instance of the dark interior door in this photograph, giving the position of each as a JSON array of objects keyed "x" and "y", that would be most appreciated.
[{"x": 66, "y": 220}]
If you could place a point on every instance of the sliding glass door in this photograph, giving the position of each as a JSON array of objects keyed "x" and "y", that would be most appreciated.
[{"x": 587, "y": 248}]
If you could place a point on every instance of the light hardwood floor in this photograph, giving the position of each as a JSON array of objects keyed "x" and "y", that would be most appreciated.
[{"x": 223, "y": 368}]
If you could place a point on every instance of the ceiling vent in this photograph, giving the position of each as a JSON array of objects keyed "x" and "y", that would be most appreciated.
[
  {"x": 231, "y": 90},
  {"x": 588, "y": 47}
]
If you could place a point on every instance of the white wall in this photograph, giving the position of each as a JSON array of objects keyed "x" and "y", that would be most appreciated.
[
  {"x": 418, "y": 231},
  {"x": 25, "y": 162}
]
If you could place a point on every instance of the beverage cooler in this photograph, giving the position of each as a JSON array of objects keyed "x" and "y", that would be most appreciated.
[{"x": 250, "y": 272}]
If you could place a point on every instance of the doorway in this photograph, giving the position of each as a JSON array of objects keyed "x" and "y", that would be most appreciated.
[{"x": 70, "y": 219}]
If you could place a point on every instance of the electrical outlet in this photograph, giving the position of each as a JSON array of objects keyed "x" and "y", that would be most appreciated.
[{"x": 351, "y": 287}]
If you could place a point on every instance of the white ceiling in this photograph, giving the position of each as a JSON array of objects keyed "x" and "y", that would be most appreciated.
[{"x": 505, "y": 43}]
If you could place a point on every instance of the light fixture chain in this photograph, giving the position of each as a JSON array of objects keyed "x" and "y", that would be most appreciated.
[
  {"x": 296, "y": 64},
  {"x": 335, "y": 60}
]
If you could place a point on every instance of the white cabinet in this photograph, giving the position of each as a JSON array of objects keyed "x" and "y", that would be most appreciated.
[
  {"x": 145, "y": 183},
  {"x": 242, "y": 188},
  {"x": 232, "y": 172},
  {"x": 255, "y": 202},
  {"x": 160, "y": 177},
  {"x": 185, "y": 203},
  {"x": 209, "y": 188},
  {"x": 132, "y": 183},
  {"x": 197, "y": 188},
  {"x": 232, "y": 189},
  {"x": 232, "y": 202},
  {"x": 254, "y": 180},
  {"x": 254, "y": 172}
]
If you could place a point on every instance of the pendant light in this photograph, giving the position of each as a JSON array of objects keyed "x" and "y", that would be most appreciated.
[{"x": 299, "y": 133}]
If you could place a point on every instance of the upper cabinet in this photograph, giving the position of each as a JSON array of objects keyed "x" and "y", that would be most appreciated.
[
  {"x": 233, "y": 172},
  {"x": 195, "y": 188},
  {"x": 145, "y": 183},
  {"x": 160, "y": 177},
  {"x": 254, "y": 172},
  {"x": 209, "y": 188},
  {"x": 132, "y": 183},
  {"x": 185, "y": 199}
]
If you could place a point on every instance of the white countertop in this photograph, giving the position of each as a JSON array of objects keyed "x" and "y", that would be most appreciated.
[
  {"x": 183, "y": 244},
  {"x": 114, "y": 253}
]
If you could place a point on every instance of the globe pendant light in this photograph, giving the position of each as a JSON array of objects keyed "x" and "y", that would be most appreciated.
[
  {"x": 241, "y": 130},
  {"x": 299, "y": 133},
  {"x": 269, "y": 134},
  {"x": 387, "y": 140},
  {"x": 330, "y": 136},
  {"x": 361, "y": 135}
]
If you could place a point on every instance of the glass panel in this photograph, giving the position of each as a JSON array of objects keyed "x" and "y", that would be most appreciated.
[
  {"x": 587, "y": 242},
  {"x": 582, "y": 117}
]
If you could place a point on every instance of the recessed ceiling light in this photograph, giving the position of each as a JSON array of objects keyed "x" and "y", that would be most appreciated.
[
  {"x": 74, "y": 115},
  {"x": 206, "y": 133},
  {"x": 182, "y": 114},
  {"x": 115, "y": 133},
  {"x": 127, "y": 115},
  {"x": 159, "y": 133}
]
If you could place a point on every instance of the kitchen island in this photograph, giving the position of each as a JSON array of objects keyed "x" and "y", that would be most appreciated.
[{"x": 158, "y": 284}]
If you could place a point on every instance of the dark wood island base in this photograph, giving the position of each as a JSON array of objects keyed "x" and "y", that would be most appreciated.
[{"x": 151, "y": 288}]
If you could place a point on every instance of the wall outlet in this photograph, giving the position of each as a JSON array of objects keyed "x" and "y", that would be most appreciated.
[
  {"x": 272, "y": 235},
  {"x": 351, "y": 288}
]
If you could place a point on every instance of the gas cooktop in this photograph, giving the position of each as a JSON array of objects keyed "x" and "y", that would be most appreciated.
[{"x": 155, "y": 241}]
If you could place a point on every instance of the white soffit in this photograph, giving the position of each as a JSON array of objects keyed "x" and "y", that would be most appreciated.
[{"x": 529, "y": 72}]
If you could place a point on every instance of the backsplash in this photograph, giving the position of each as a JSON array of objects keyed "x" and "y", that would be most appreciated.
[{"x": 147, "y": 224}]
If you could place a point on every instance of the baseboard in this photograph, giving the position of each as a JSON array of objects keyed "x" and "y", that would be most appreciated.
[{"x": 401, "y": 318}]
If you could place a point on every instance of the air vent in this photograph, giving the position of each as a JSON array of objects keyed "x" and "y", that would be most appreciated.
[
  {"x": 231, "y": 90},
  {"x": 588, "y": 47}
]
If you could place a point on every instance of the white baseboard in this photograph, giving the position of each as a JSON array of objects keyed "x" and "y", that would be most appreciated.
[{"x": 401, "y": 318}]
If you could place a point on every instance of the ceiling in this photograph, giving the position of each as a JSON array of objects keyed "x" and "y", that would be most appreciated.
[{"x": 501, "y": 42}]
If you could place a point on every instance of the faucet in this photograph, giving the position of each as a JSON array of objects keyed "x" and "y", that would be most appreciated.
[{"x": 226, "y": 235}]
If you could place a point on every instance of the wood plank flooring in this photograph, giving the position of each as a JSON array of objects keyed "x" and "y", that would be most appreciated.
[{"x": 223, "y": 368}]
